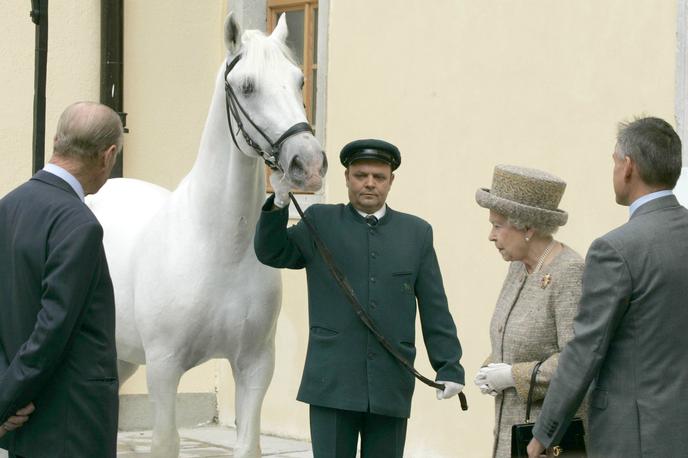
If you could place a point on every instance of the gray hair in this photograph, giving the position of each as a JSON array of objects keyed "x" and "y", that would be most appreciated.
[
  {"x": 86, "y": 129},
  {"x": 654, "y": 145},
  {"x": 522, "y": 225}
]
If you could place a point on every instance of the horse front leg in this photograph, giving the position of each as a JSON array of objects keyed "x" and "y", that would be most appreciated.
[
  {"x": 163, "y": 379},
  {"x": 252, "y": 375}
]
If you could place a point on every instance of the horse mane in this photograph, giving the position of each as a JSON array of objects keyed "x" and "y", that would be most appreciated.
[{"x": 260, "y": 51}]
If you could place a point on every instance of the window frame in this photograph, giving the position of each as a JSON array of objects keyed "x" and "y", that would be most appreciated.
[{"x": 309, "y": 65}]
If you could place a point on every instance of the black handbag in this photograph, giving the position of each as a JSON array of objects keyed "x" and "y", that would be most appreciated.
[{"x": 572, "y": 444}]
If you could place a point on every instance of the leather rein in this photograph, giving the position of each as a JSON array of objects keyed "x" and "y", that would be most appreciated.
[
  {"x": 235, "y": 110},
  {"x": 365, "y": 318},
  {"x": 271, "y": 158}
]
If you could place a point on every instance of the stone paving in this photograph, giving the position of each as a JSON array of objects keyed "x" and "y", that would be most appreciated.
[{"x": 209, "y": 441}]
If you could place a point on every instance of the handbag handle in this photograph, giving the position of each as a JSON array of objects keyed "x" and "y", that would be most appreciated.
[{"x": 530, "y": 390}]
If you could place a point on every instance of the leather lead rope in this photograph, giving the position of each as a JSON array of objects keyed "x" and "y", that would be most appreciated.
[{"x": 362, "y": 314}]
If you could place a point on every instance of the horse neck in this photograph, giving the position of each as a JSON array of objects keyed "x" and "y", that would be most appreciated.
[{"x": 224, "y": 185}]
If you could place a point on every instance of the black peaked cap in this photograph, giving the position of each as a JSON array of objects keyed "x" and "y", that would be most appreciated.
[{"x": 378, "y": 150}]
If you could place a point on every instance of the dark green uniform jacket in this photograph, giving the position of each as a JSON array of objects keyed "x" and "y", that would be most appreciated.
[{"x": 390, "y": 267}]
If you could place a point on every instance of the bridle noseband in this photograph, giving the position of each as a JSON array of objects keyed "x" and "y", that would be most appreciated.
[{"x": 235, "y": 110}]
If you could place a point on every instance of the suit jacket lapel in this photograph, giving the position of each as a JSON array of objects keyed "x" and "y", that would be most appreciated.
[
  {"x": 54, "y": 180},
  {"x": 657, "y": 204}
]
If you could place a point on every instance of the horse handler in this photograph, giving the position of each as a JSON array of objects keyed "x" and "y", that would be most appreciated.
[{"x": 353, "y": 385}]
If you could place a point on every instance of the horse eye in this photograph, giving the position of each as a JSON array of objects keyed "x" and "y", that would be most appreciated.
[{"x": 247, "y": 87}]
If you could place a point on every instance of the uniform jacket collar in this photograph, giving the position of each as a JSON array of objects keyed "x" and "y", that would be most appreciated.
[{"x": 362, "y": 220}]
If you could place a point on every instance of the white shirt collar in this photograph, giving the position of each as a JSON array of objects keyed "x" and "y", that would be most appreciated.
[
  {"x": 68, "y": 177},
  {"x": 378, "y": 214},
  {"x": 647, "y": 198}
]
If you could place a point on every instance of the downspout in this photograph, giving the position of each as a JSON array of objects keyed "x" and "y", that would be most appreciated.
[
  {"x": 39, "y": 16},
  {"x": 112, "y": 64}
]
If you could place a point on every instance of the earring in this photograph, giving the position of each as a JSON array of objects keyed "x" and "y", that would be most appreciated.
[{"x": 527, "y": 239}]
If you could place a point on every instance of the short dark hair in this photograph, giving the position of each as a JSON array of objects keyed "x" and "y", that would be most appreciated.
[{"x": 655, "y": 147}]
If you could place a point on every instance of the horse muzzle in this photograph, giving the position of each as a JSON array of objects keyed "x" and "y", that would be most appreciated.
[{"x": 304, "y": 162}]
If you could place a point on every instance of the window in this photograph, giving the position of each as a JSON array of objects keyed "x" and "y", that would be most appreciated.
[{"x": 302, "y": 22}]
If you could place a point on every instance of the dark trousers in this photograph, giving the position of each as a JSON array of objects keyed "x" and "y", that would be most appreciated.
[{"x": 335, "y": 432}]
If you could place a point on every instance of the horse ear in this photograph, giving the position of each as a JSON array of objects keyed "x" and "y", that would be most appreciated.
[
  {"x": 232, "y": 34},
  {"x": 281, "y": 31}
]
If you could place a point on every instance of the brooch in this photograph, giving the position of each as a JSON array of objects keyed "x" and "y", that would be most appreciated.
[{"x": 546, "y": 280}]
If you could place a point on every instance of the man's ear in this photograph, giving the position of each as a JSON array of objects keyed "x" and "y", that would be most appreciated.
[
  {"x": 629, "y": 165},
  {"x": 109, "y": 157},
  {"x": 391, "y": 179}
]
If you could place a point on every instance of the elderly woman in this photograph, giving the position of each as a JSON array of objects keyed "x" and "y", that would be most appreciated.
[{"x": 533, "y": 319}]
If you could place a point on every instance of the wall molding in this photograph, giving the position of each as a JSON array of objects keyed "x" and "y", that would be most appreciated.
[{"x": 681, "y": 94}]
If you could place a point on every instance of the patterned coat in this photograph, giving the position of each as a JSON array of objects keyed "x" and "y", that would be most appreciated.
[{"x": 532, "y": 322}]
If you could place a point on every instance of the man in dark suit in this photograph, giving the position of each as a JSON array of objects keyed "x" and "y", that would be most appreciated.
[
  {"x": 352, "y": 384},
  {"x": 57, "y": 332},
  {"x": 631, "y": 329}
]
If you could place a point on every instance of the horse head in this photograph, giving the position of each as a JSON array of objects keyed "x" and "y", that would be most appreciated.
[{"x": 264, "y": 101}]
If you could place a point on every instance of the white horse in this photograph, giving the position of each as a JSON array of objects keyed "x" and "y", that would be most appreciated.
[{"x": 188, "y": 286}]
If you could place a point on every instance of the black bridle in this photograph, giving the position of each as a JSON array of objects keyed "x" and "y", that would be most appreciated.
[{"x": 235, "y": 110}]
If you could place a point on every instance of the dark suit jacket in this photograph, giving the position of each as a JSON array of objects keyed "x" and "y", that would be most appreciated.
[
  {"x": 57, "y": 324},
  {"x": 631, "y": 336},
  {"x": 389, "y": 267}
]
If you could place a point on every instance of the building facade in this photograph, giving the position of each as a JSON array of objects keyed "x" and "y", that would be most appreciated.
[{"x": 457, "y": 85}]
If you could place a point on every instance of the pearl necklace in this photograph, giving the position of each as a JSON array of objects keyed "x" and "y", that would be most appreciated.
[{"x": 543, "y": 256}]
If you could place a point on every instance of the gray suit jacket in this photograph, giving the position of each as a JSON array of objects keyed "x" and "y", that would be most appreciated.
[{"x": 631, "y": 339}]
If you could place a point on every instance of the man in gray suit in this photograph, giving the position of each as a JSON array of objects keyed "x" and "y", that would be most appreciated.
[{"x": 631, "y": 331}]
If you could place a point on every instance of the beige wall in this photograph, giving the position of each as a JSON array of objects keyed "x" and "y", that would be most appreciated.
[
  {"x": 172, "y": 51},
  {"x": 73, "y": 69},
  {"x": 461, "y": 86},
  {"x": 458, "y": 85}
]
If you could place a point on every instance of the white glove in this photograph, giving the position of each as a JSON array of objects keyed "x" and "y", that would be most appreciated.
[
  {"x": 281, "y": 187},
  {"x": 481, "y": 381},
  {"x": 494, "y": 378},
  {"x": 451, "y": 389}
]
